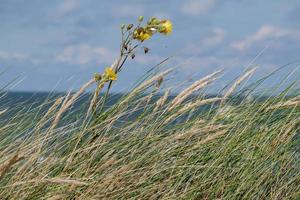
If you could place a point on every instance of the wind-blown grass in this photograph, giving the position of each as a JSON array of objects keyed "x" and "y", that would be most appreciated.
[{"x": 144, "y": 147}]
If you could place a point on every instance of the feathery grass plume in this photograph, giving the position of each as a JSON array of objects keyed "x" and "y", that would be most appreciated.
[
  {"x": 148, "y": 83},
  {"x": 198, "y": 103},
  {"x": 288, "y": 104},
  {"x": 203, "y": 82},
  {"x": 93, "y": 103},
  {"x": 190, "y": 106},
  {"x": 69, "y": 102},
  {"x": 188, "y": 134},
  {"x": 152, "y": 81},
  {"x": 205, "y": 134},
  {"x": 46, "y": 117},
  {"x": 4, "y": 168},
  {"x": 162, "y": 100},
  {"x": 145, "y": 101},
  {"x": 40, "y": 124},
  {"x": 291, "y": 130},
  {"x": 237, "y": 83},
  {"x": 211, "y": 137},
  {"x": 58, "y": 180}
]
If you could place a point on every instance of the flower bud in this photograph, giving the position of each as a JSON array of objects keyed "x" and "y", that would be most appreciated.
[
  {"x": 154, "y": 21},
  {"x": 129, "y": 26},
  {"x": 97, "y": 77},
  {"x": 141, "y": 18},
  {"x": 160, "y": 28}
]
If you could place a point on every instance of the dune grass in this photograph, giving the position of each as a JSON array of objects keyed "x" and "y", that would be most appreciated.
[{"x": 150, "y": 146}]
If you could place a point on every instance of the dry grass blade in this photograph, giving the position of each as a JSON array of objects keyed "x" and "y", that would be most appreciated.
[
  {"x": 154, "y": 79},
  {"x": 237, "y": 83},
  {"x": 93, "y": 102},
  {"x": 59, "y": 181},
  {"x": 162, "y": 100},
  {"x": 3, "y": 111},
  {"x": 198, "y": 103},
  {"x": 147, "y": 83},
  {"x": 116, "y": 63},
  {"x": 6, "y": 166},
  {"x": 68, "y": 103},
  {"x": 64, "y": 181},
  {"x": 42, "y": 122},
  {"x": 211, "y": 137},
  {"x": 57, "y": 197},
  {"x": 191, "y": 106},
  {"x": 194, "y": 87},
  {"x": 7, "y": 126},
  {"x": 290, "y": 103}
]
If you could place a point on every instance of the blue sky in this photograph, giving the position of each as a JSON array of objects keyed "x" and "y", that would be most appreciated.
[{"x": 60, "y": 44}]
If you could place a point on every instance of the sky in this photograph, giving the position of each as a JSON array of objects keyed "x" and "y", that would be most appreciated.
[{"x": 60, "y": 44}]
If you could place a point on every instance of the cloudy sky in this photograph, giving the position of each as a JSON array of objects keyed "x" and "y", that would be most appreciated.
[{"x": 59, "y": 44}]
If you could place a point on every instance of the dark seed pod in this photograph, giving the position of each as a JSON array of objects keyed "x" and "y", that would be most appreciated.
[
  {"x": 146, "y": 50},
  {"x": 129, "y": 26}
]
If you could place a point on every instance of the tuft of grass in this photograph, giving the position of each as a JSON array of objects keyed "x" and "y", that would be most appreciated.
[{"x": 150, "y": 146}]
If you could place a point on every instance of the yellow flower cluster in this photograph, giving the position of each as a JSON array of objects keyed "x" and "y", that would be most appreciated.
[
  {"x": 142, "y": 34},
  {"x": 153, "y": 26},
  {"x": 131, "y": 36},
  {"x": 110, "y": 74},
  {"x": 167, "y": 27}
]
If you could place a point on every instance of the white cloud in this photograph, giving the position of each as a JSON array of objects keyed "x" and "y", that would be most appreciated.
[
  {"x": 12, "y": 56},
  {"x": 68, "y": 6},
  {"x": 217, "y": 36},
  {"x": 197, "y": 7},
  {"x": 127, "y": 10},
  {"x": 83, "y": 54},
  {"x": 265, "y": 32},
  {"x": 211, "y": 40}
]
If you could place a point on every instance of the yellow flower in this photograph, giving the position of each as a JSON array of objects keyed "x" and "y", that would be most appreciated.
[
  {"x": 141, "y": 34},
  {"x": 166, "y": 27},
  {"x": 110, "y": 74}
]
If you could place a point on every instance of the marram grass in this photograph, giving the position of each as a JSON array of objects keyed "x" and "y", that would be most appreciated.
[{"x": 199, "y": 148}]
